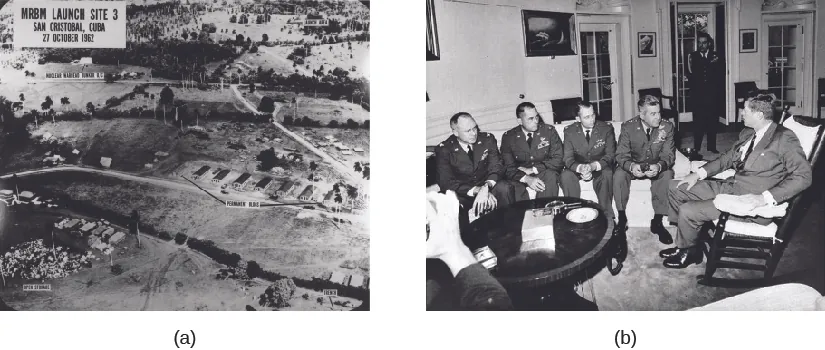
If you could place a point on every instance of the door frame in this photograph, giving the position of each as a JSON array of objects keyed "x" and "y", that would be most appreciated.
[
  {"x": 616, "y": 99},
  {"x": 805, "y": 90},
  {"x": 732, "y": 8},
  {"x": 622, "y": 92},
  {"x": 710, "y": 9}
]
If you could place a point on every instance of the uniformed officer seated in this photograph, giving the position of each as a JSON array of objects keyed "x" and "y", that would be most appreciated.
[
  {"x": 532, "y": 155},
  {"x": 589, "y": 154},
  {"x": 469, "y": 164},
  {"x": 645, "y": 151}
]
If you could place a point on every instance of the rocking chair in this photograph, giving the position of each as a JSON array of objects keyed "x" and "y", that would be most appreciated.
[{"x": 739, "y": 239}]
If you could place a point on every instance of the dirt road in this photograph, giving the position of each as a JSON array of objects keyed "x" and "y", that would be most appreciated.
[{"x": 340, "y": 166}]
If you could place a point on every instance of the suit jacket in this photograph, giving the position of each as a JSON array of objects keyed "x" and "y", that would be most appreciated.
[
  {"x": 457, "y": 172},
  {"x": 776, "y": 164},
  {"x": 601, "y": 148},
  {"x": 633, "y": 146},
  {"x": 478, "y": 290},
  {"x": 545, "y": 153}
]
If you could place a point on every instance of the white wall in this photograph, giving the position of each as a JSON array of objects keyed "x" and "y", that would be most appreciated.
[
  {"x": 750, "y": 17},
  {"x": 483, "y": 67},
  {"x": 646, "y": 70}
]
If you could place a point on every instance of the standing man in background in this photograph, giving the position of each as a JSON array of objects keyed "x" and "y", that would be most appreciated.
[{"x": 706, "y": 80}]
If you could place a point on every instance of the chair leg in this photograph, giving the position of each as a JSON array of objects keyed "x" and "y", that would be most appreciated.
[
  {"x": 714, "y": 256},
  {"x": 773, "y": 261}
]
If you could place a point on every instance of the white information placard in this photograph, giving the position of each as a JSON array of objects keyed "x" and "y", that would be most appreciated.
[{"x": 70, "y": 24}]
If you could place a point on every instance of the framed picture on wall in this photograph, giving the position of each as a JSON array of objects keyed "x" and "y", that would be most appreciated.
[
  {"x": 433, "y": 50},
  {"x": 647, "y": 44},
  {"x": 747, "y": 40},
  {"x": 549, "y": 33}
]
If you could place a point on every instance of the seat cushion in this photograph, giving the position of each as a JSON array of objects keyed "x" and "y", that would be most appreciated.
[
  {"x": 745, "y": 228},
  {"x": 805, "y": 134}
]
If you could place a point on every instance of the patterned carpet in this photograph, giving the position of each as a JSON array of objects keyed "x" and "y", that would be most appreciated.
[{"x": 644, "y": 284}]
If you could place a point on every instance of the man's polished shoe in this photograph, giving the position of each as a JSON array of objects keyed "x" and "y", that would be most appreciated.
[
  {"x": 666, "y": 253},
  {"x": 657, "y": 228},
  {"x": 684, "y": 258},
  {"x": 714, "y": 151}
]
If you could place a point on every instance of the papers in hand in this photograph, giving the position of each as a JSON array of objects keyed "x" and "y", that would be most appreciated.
[{"x": 537, "y": 232}]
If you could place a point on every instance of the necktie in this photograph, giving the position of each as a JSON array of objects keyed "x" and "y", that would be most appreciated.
[
  {"x": 587, "y": 135},
  {"x": 530, "y": 139},
  {"x": 470, "y": 152},
  {"x": 750, "y": 149},
  {"x": 648, "y": 134}
]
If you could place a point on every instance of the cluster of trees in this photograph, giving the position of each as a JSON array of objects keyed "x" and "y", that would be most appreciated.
[
  {"x": 269, "y": 159},
  {"x": 167, "y": 59},
  {"x": 209, "y": 249},
  {"x": 278, "y": 293},
  {"x": 307, "y": 121},
  {"x": 335, "y": 85}
]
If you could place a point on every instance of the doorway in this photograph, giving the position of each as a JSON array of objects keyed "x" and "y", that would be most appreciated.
[
  {"x": 687, "y": 22},
  {"x": 600, "y": 69},
  {"x": 787, "y": 60}
]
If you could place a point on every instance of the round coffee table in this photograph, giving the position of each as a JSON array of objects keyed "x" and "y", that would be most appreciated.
[{"x": 578, "y": 246}]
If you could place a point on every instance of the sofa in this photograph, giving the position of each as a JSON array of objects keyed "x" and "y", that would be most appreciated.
[
  {"x": 640, "y": 208},
  {"x": 783, "y": 297}
]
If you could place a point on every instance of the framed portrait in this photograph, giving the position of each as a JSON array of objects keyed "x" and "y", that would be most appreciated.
[
  {"x": 647, "y": 44},
  {"x": 549, "y": 33},
  {"x": 747, "y": 40},
  {"x": 433, "y": 50}
]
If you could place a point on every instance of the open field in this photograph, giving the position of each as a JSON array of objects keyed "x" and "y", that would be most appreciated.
[
  {"x": 339, "y": 56},
  {"x": 130, "y": 143},
  {"x": 324, "y": 110},
  {"x": 196, "y": 100},
  {"x": 158, "y": 276},
  {"x": 278, "y": 238},
  {"x": 78, "y": 93},
  {"x": 265, "y": 61}
]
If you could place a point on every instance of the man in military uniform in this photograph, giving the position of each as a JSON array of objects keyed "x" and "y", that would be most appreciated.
[
  {"x": 533, "y": 154},
  {"x": 645, "y": 150},
  {"x": 589, "y": 154},
  {"x": 706, "y": 80},
  {"x": 469, "y": 164}
]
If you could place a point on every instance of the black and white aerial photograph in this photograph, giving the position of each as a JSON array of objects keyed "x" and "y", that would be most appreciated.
[
  {"x": 657, "y": 164},
  {"x": 217, "y": 160}
]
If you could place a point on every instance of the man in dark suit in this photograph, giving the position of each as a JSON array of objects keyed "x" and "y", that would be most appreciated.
[
  {"x": 645, "y": 150},
  {"x": 706, "y": 80},
  {"x": 770, "y": 166},
  {"x": 469, "y": 164},
  {"x": 455, "y": 280},
  {"x": 533, "y": 154},
  {"x": 589, "y": 154}
]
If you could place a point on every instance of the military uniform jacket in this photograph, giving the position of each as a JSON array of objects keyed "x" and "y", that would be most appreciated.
[
  {"x": 633, "y": 146},
  {"x": 545, "y": 153},
  {"x": 706, "y": 80},
  {"x": 776, "y": 164},
  {"x": 601, "y": 148},
  {"x": 457, "y": 172}
]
